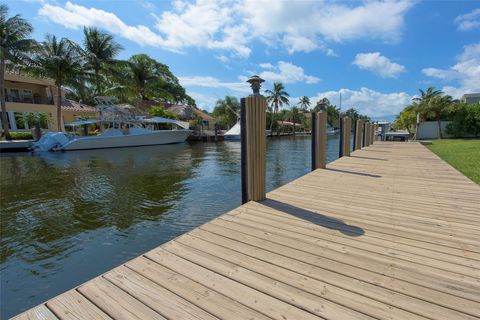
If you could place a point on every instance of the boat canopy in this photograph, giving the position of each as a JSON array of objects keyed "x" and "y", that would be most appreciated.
[
  {"x": 81, "y": 122},
  {"x": 183, "y": 124}
]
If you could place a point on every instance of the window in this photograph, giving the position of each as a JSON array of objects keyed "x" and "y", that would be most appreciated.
[
  {"x": 15, "y": 95},
  {"x": 27, "y": 96}
]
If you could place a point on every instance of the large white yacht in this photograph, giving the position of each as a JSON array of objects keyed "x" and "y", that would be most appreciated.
[{"x": 119, "y": 129}]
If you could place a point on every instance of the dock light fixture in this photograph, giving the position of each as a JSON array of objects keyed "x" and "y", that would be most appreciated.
[{"x": 255, "y": 83}]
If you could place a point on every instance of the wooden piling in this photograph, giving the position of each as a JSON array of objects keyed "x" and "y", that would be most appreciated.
[
  {"x": 253, "y": 148},
  {"x": 319, "y": 140},
  {"x": 366, "y": 134},
  {"x": 358, "y": 135},
  {"x": 346, "y": 136}
]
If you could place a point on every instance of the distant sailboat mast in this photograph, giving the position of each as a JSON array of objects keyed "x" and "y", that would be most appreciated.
[{"x": 340, "y": 101}]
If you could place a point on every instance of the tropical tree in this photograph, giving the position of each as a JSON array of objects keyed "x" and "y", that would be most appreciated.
[
  {"x": 321, "y": 105},
  {"x": 406, "y": 119},
  {"x": 143, "y": 78},
  {"x": 423, "y": 100},
  {"x": 295, "y": 117},
  {"x": 437, "y": 105},
  {"x": 227, "y": 111},
  {"x": 159, "y": 111},
  {"x": 277, "y": 97},
  {"x": 304, "y": 103},
  {"x": 100, "y": 50},
  {"x": 60, "y": 60},
  {"x": 14, "y": 46}
]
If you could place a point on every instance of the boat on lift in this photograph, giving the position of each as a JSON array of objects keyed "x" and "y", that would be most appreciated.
[{"x": 119, "y": 129}]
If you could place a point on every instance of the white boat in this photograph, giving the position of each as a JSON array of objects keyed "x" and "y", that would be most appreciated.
[
  {"x": 122, "y": 131},
  {"x": 233, "y": 133}
]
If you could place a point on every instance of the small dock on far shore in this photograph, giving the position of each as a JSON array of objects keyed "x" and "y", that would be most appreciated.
[{"x": 390, "y": 232}]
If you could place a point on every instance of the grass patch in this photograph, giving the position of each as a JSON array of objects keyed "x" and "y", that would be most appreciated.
[{"x": 462, "y": 154}]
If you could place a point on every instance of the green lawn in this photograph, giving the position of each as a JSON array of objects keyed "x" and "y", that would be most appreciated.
[{"x": 463, "y": 154}]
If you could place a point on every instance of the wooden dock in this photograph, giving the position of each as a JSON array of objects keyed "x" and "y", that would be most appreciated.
[{"x": 391, "y": 232}]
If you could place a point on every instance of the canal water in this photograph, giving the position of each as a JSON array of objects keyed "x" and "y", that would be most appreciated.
[{"x": 67, "y": 217}]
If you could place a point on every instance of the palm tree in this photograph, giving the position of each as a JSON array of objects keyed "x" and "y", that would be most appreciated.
[
  {"x": 14, "y": 45},
  {"x": 424, "y": 99},
  {"x": 304, "y": 103},
  {"x": 277, "y": 98},
  {"x": 437, "y": 105},
  {"x": 60, "y": 60},
  {"x": 295, "y": 117},
  {"x": 134, "y": 75},
  {"x": 100, "y": 49}
]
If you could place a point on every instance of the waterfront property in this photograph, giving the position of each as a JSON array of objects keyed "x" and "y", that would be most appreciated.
[
  {"x": 391, "y": 232},
  {"x": 25, "y": 94}
]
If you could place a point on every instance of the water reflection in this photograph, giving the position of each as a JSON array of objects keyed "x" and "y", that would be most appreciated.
[{"x": 67, "y": 217}]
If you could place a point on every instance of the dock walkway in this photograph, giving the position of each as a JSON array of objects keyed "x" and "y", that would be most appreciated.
[{"x": 392, "y": 232}]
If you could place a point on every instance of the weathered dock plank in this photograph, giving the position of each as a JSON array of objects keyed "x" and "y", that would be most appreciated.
[{"x": 392, "y": 232}]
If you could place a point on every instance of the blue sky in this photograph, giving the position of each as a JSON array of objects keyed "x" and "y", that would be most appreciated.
[{"x": 377, "y": 54}]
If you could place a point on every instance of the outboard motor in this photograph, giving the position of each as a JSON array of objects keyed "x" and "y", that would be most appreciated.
[{"x": 52, "y": 141}]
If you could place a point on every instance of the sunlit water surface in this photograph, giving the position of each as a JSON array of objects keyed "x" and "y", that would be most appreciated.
[{"x": 67, "y": 217}]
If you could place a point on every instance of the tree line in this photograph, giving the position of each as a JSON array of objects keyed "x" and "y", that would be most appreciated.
[
  {"x": 84, "y": 71},
  {"x": 434, "y": 105},
  {"x": 227, "y": 110}
]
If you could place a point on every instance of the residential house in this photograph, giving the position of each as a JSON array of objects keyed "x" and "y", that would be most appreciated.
[
  {"x": 471, "y": 98},
  {"x": 25, "y": 94}
]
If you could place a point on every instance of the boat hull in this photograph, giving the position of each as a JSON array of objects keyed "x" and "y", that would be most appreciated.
[{"x": 131, "y": 140}]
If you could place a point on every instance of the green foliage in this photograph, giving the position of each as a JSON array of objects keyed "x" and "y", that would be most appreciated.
[
  {"x": 355, "y": 115},
  {"x": 34, "y": 118},
  {"x": 60, "y": 60},
  {"x": 99, "y": 50},
  {"x": 14, "y": 33},
  {"x": 277, "y": 97},
  {"x": 21, "y": 135},
  {"x": 143, "y": 78},
  {"x": 304, "y": 103},
  {"x": 227, "y": 112},
  {"x": 14, "y": 47},
  {"x": 463, "y": 154},
  {"x": 465, "y": 120},
  {"x": 159, "y": 111},
  {"x": 406, "y": 120}
]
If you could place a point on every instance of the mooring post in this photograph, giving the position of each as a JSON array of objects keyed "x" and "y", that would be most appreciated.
[
  {"x": 366, "y": 134},
  {"x": 347, "y": 136},
  {"x": 375, "y": 130},
  {"x": 319, "y": 140},
  {"x": 358, "y": 135},
  {"x": 340, "y": 147},
  {"x": 253, "y": 143}
]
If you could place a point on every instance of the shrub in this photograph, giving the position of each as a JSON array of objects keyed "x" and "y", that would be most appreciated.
[
  {"x": 21, "y": 135},
  {"x": 465, "y": 120}
]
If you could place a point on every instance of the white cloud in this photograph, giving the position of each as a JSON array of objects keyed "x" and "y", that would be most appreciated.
[
  {"x": 466, "y": 72},
  {"x": 205, "y": 23},
  {"x": 367, "y": 101},
  {"x": 212, "y": 82},
  {"x": 75, "y": 17},
  {"x": 286, "y": 72},
  {"x": 232, "y": 25},
  {"x": 469, "y": 21},
  {"x": 266, "y": 65},
  {"x": 378, "y": 64},
  {"x": 307, "y": 25},
  {"x": 223, "y": 58},
  {"x": 204, "y": 101}
]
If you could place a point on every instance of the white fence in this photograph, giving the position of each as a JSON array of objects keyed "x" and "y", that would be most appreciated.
[{"x": 429, "y": 130}]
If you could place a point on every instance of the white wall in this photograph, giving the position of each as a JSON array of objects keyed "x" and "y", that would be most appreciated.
[{"x": 429, "y": 130}]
